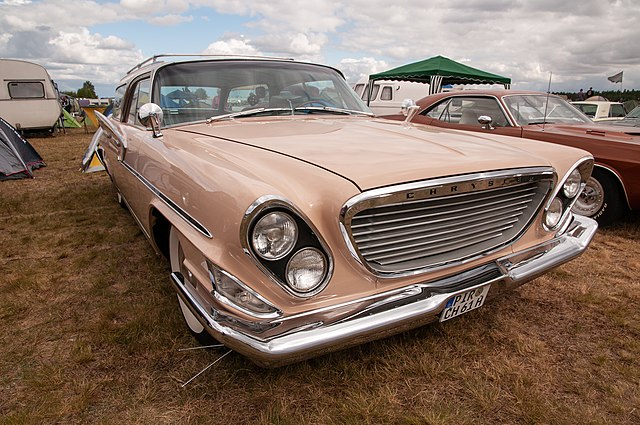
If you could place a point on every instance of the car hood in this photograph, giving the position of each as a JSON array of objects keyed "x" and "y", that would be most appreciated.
[
  {"x": 374, "y": 152},
  {"x": 611, "y": 132}
]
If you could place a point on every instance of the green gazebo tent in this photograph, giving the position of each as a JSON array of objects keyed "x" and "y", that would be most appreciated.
[{"x": 439, "y": 71}]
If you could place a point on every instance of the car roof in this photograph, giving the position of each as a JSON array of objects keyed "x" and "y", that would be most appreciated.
[{"x": 481, "y": 92}]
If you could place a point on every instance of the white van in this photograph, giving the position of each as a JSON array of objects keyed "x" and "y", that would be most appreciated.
[
  {"x": 387, "y": 96},
  {"x": 28, "y": 97}
]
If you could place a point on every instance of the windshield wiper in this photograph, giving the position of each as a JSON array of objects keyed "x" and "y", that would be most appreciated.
[
  {"x": 540, "y": 122},
  {"x": 246, "y": 113},
  {"x": 332, "y": 109}
]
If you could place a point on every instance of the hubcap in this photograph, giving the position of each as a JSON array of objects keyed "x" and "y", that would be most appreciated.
[{"x": 591, "y": 200}]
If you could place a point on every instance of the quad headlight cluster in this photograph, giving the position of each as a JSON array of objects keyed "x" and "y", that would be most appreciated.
[
  {"x": 288, "y": 248},
  {"x": 566, "y": 194}
]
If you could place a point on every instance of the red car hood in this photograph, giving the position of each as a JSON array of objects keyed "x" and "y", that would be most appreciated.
[
  {"x": 372, "y": 152},
  {"x": 618, "y": 133}
]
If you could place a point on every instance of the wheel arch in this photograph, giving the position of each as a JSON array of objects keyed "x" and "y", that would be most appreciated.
[{"x": 616, "y": 179}]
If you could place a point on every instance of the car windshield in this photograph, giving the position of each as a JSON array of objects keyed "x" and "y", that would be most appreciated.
[
  {"x": 635, "y": 113},
  {"x": 539, "y": 109},
  {"x": 197, "y": 91}
]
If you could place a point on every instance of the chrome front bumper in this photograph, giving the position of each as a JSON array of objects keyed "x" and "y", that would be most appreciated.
[{"x": 321, "y": 331}]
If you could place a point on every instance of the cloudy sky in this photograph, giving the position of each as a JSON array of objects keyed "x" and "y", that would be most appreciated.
[{"x": 581, "y": 42}]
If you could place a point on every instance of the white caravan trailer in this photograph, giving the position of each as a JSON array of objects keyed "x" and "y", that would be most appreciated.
[
  {"x": 387, "y": 96},
  {"x": 28, "y": 97}
]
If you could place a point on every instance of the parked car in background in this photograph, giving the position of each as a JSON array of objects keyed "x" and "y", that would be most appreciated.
[
  {"x": 306, "y": 225},
  {"x": 599, "y": 110},
  {"x": 632, "y": 119},
  {"x": 614, "y": 186}
]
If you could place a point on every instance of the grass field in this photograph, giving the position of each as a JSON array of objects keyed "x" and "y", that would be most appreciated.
[{"x": 90, "y": 333}]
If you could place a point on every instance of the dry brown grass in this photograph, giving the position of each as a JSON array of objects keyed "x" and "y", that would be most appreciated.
[{"x": 90, "y": 333}]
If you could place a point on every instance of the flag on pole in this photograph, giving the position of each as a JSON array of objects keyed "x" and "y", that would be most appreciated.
[{"x": 616, "y": 78}]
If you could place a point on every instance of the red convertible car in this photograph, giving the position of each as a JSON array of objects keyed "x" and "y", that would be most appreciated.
[{"x": 614, "y": 187}]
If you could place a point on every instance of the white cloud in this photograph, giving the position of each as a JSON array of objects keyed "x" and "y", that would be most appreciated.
[
  {"x": 580, "y": 42},
  {"x": 358, "y": 69},
  {"x": 170, "y": 20},
  {"x": 232, "y": 46}
]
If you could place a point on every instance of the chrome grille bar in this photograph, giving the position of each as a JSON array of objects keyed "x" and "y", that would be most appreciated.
[{"x": 410, "y": 230}]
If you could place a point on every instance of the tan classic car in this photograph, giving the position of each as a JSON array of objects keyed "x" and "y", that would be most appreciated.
[{"x": 296, "y": 223}]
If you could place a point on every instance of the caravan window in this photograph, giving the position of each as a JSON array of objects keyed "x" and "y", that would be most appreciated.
[
  {"x": 359, "y": 88},
  {"x": 26, "y": 90},
  {"x": 387, "y": 93},
  {"x": 376, "y": 88}
]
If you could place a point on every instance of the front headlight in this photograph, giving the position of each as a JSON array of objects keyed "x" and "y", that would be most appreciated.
[
  {"x": 274, "y": 235},
  {"x": 286, "y": 246},
  {"x": 558, "y": 209},
  {"x": 553, "y": 213},
  {"x": 573, "y": 184},
  {"x": 306, "y": 270}
]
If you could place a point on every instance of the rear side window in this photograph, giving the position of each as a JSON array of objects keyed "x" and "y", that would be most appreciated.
[
  {"x": 140, "y": 97},
  {"x": 117, "y": 102},
  {"x": 617, "y": 111},
  {"x": 26, "y": 90}
]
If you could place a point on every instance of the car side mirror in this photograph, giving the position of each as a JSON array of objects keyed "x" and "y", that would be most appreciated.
[
  {"x": 409, "y": 110},
  {"x": 485, "y": 121},
  {"x": 151, "y": 115}
]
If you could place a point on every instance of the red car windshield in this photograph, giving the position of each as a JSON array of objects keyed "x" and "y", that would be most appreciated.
[{"x": 537, "y": 109}]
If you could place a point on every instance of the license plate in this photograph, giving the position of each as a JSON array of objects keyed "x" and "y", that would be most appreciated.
[{"x": 464, "y": 303}]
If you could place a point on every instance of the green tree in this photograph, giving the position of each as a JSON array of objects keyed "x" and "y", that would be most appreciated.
[
  {"x": 87, "y": 91},
  {"x": 201, "y": 93}
]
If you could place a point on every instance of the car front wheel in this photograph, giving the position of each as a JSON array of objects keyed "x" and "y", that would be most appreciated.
[
  {"x": 176, "y": 255},
  {"x": 600, "y": 199}
]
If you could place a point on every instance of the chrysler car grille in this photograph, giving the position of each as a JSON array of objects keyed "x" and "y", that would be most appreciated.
[{"x": 416, "y": 226}]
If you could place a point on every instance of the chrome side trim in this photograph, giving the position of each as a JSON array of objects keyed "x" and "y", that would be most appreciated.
[
  {"x": 168, "y": 202},
  {"x": 314, "y": 333}
]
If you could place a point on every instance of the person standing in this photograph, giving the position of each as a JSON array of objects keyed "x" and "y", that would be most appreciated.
[
  {"x": 589, "y": 92},
  {"x": 580, "y": 95}
]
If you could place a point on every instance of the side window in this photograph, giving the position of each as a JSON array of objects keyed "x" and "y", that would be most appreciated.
[
  {"x": 441, "y": 111},
  {"x": 358, "y": 89},
  {"x": 117, "y": 102},
  {"x": 616, "y": 111},
  {"x": 466, "y": 110},
  {"x": 139, "y": 98},
  {"x": 473, "y": 107},
  {"x": 26, "y": 90},
  {"x": 387, "y": 93}
]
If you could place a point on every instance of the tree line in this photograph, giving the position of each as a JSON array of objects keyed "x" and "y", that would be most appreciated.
[
  {"x": 88, "y": 91},
  {"x": 612, "y": 95}
]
